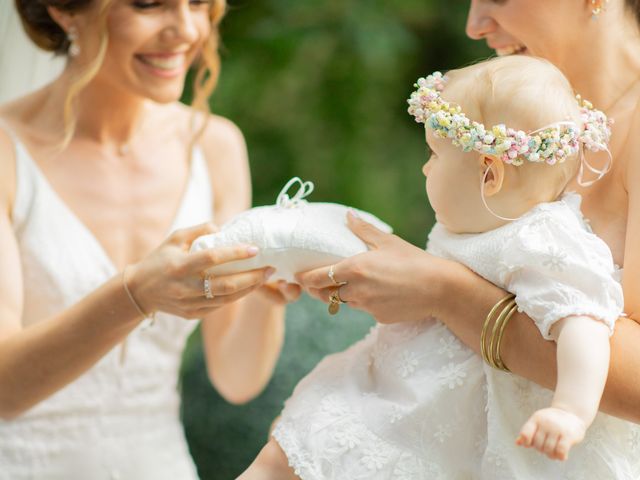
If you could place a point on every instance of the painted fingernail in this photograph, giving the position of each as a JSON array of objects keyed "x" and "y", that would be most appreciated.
[
  {"x": 252, "y": 250},
  {"x": 269, "y": 271},
  {"x": 353, "y": 213}
]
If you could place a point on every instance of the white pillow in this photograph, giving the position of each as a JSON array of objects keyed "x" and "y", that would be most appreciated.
[{"x": 293, "y": 235}]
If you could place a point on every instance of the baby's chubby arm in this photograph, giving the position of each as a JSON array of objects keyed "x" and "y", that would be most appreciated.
[{"x": 583, "y": 362}]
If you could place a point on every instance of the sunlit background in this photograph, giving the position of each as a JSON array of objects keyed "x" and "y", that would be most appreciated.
[{"x": 319, "y": 88}]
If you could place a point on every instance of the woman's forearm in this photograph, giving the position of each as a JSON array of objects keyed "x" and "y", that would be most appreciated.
[
  {"x": 39, "y": 360},
  {"x": 464, "y": 308},
  {"x": 242, "y": 343}
]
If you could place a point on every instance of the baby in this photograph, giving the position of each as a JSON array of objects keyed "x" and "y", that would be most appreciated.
[{"x": 409, "y": 401}]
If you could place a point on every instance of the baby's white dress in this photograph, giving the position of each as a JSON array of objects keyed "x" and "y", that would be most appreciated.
[
  {"x": 120, "y": 419},
  {"x": 411, "y": 402}
]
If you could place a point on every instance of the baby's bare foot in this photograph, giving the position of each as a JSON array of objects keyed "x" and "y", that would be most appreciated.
[{"x": 552, "y": 431}]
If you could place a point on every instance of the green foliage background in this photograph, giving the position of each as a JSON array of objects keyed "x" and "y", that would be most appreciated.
[{"x": 319, "y": 89}]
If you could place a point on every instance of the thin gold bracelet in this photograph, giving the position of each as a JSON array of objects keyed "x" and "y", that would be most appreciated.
[
  {"x": 151, "y": 317},
  {"x": 494, "y": 332},
  {"x": 497, "y": 357},
  {"x": 487, "y": 322}
]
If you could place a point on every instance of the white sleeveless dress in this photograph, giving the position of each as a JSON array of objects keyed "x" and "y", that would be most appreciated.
[
  {"x": 120, "y": 420},
  {"x": 411, "y": 402}
]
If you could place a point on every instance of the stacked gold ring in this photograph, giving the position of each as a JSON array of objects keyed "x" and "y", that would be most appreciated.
[{"x": 334, "y": 299}]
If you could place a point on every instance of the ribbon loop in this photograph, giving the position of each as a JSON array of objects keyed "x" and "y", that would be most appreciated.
[
  {"x": 600, "y": 172},
  {"x": 304, "y": 190}
]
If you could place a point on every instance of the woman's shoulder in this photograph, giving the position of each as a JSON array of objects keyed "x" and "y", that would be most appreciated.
[
  {"x": 631, "y": 174},
  {"x": 7, "y": 169},
  {"x": 219, "y": 135},
  {"x": 224, "y": 149}
]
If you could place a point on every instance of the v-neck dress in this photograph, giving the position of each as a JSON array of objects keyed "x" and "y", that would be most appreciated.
[{"x": 119, "y": 420}]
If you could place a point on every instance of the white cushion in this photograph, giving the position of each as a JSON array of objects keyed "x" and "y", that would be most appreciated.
[{"x": 293, "y": 236}]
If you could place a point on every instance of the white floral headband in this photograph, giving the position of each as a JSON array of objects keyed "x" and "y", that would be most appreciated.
[{"x": 552, "y": 144}]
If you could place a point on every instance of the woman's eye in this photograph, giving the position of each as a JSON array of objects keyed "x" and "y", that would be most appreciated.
[
  {"x": 144, "y": 5},
  {"x": 147, "y": 4}
]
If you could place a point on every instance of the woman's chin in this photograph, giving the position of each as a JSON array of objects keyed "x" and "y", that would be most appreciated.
[
  {"x": 512, "y": 50},
  {"x": 164, "y": 95}
]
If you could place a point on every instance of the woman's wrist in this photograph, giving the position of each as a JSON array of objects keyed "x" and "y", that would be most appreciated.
[
  {"x": 131, "y": 283},
  {"x": 463, "y": 302},
  {"x": 451, "y": 288},
  {"x": 134, "y": 301}
]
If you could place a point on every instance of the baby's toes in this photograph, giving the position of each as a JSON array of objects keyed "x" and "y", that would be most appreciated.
[{"x": 527, "y": 433}]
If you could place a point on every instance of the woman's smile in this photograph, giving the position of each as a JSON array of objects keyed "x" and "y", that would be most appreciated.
[{"x": 165, "y": 65}]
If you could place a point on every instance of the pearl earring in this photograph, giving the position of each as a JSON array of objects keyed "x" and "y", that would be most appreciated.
[{"x": 72, "y": 36}]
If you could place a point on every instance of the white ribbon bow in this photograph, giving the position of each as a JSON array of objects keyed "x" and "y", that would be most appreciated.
[{"x": 305, "y": 189}]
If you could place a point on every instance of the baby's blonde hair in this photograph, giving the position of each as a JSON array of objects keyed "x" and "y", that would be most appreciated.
[{"x": 524, "y": 93}]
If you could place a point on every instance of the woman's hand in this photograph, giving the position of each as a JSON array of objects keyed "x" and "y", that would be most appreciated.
[
  {"x": 394, "y": 281},
  {"x": 171, "y": 279}
]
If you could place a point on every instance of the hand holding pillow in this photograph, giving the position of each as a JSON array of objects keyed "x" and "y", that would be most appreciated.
[{"x": 292, "y": 236}]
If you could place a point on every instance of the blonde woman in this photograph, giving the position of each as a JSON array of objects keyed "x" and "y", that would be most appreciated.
[{"x": 103, "y": 176}]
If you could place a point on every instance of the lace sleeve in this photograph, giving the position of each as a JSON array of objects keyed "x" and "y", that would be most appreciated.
[{"x": 556, "y": 268}]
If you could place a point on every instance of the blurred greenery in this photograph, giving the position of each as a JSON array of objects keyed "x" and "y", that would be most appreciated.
[{"x": 319, "y": 89}]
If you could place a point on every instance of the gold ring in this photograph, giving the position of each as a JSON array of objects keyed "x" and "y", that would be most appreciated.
[{"x": 331, "y": 275}]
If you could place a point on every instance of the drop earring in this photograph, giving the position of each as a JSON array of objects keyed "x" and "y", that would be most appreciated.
[
  {"x": 72, "y": 36},
  {"x": 598, "y": 6}
]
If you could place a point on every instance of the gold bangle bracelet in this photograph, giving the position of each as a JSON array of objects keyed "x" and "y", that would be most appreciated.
[
  {"x": 494, "y": 332},
  {"x": 487, "y": 322},
  {"x": 497, "y": 357}
]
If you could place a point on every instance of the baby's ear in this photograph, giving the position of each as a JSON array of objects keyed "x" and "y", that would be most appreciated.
[{"x": 492, "y": 174}]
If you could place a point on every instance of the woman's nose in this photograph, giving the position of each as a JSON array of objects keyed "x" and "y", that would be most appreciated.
[
  {"x": 479, "y": 21},
  {"x": 183, "y": 23}
]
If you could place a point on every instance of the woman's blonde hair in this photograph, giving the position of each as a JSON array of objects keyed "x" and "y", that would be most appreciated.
[{"x": 48, "y": 35}]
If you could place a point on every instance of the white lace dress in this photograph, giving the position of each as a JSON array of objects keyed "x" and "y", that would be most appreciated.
[
  {"x": 411, "y": 402},
  {"x": 120, "y": 420}
]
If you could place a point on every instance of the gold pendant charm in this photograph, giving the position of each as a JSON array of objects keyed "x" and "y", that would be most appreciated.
[
  {"x": 334, "y": 302},
  {"x": 333, "y": 307}
]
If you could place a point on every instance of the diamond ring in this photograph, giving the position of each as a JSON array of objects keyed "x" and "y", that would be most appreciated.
[{"x": 207, "y": 288}]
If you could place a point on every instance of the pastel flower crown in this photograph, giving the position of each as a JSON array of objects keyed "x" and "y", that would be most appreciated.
[{"x": 552, "y": 144}]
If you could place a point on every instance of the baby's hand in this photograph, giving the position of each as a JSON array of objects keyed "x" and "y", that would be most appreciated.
[{"x": 552, "y": 431}]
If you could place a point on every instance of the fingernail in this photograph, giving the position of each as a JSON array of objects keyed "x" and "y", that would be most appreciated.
[
  {"x": 269, "y": 271},
  {"x": 353, "y": 213},
  {"x": 252, "y": 250}
]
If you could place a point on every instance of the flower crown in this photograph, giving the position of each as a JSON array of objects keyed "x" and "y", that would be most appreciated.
[{"x": 552, "y": 144}]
